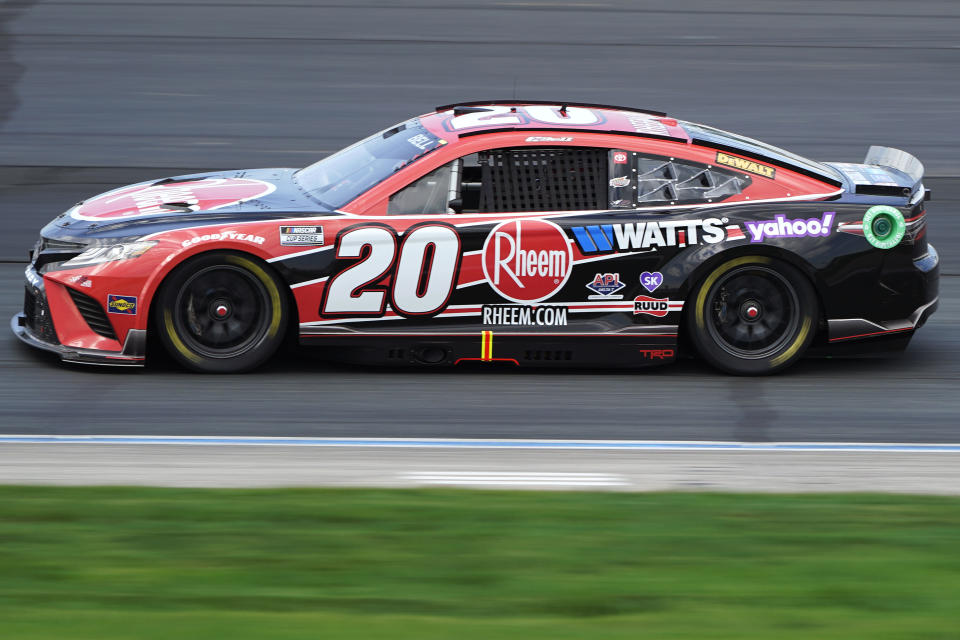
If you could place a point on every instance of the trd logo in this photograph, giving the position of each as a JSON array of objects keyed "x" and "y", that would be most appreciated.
[{"x": 656, "y": 354}]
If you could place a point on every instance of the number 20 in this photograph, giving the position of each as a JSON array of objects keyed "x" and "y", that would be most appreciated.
[
  {"x": 424, "y": 265},
  {"x": 511, "y": 115}
]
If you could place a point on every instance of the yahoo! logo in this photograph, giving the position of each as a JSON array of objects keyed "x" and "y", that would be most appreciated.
[{"x": 784, "y": 227}]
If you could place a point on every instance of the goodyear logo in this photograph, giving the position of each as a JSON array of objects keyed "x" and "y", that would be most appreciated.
[
  {"x": 126, "y": 305},
  {"x": 746, "y": 165}
]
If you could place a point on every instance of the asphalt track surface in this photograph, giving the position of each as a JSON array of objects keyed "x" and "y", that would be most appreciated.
[{"x": 159, "y": 88}]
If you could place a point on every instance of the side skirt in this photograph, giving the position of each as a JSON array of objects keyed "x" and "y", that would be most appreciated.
[{"x": 531, "y": 349}]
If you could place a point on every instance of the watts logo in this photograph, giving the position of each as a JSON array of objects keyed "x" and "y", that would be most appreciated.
[
  {"x": 746, "y": 165},
  {"x": 127, "y": 305},
  {"x": 607, "y": 238}
]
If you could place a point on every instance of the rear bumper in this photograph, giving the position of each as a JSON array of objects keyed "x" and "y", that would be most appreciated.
[
  {"x": 35, "y": 326},
  {"x": 926, "y": 290}
]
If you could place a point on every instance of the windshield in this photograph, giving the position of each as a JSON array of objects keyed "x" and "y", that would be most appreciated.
[
  {"x": 338, "y": 179},
  {"x": 749, "y": 144}
]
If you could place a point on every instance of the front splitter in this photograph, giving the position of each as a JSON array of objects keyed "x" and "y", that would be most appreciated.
[{"x": 133, "y": 354}]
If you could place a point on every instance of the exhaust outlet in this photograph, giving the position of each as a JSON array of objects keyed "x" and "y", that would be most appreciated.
[{"x": 430, "y": 353}]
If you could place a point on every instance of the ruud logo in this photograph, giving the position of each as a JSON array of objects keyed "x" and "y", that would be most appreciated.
[
  {"x": 527, "y": 260},
  {"x": 658, "y": 307}
]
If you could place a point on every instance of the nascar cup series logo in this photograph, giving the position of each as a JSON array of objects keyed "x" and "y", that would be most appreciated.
[{"x": 527, "y": 260}]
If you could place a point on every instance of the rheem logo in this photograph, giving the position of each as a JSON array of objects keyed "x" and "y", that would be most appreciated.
[{"x": 527, "y": 260}]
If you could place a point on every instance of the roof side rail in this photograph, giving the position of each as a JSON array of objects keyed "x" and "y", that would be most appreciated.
[
  {"x": 568, "y": 103},
  {"x": 655, "y": 136}
]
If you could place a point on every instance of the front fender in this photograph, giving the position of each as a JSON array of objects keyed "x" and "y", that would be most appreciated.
[{"x": 176, "y": 253}]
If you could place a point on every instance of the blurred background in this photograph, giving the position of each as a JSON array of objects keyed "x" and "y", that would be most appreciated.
[{"x": 222, "y": 83}]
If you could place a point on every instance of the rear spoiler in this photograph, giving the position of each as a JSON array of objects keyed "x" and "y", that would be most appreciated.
[
  {"x": 895, "y": 159},
  {"x": 903, "y": 163}
]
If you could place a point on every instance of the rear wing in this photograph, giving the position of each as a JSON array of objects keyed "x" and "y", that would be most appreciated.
[
  {"x": 907, "y": 173},
  {"x": 895, "y": 159}
]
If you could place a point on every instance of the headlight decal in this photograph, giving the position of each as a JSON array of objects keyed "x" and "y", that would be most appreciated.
[{"x": 110, "y": 253}]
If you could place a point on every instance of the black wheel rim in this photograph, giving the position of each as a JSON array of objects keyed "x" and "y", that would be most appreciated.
[
  {"x": 222, "y": 311},
  {"x": 753, "y": 312}
]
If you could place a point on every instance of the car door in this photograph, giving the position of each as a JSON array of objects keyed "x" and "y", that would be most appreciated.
[
  {"x": 660, "y": 206},
  {"x": 512, "y": 209}
]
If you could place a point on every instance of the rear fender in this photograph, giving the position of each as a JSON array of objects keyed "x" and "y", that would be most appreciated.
[{"x": 687, "y": 269}]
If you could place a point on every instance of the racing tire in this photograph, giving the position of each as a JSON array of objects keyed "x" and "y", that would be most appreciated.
[
  {"x": 753, "y": 315},
  {"x": 221, "y": 313}
]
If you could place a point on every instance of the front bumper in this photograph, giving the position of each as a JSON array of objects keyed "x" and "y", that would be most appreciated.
[
  {"x": 133, "y": 354},
  {"x": 34, "y": 326}
]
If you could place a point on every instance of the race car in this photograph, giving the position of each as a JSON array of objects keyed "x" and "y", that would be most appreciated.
[{"x": 521, "y": 232}]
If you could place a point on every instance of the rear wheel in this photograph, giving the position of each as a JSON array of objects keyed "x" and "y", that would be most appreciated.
[
  {"x": 221, "y": 313},
  {"x": 753, "y": 316}
]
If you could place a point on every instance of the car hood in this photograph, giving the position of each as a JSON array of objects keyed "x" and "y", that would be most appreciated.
[
  {"x": 258, "y": 190},
  {"x": 184, "y": 201}
]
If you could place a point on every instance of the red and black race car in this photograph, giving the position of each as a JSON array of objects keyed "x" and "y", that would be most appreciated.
[{"x": 499, "y": 231}]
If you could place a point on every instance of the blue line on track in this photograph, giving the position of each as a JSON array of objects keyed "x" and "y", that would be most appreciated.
[{"x": 484, "y": 444}]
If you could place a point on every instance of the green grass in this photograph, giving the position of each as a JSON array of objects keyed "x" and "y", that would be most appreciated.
[{"x": 105, "y": 563}]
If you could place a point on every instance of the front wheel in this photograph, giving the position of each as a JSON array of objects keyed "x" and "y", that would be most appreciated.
[
  {"x": 753, "y": 316},
  {"x": 221, "y": 313}
]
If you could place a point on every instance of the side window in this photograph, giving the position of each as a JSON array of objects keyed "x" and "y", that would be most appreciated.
[
  {"x": 638, "y": 180},
  {"x": 511, "y": 179},
  {"x": 536, "y": 179},
  {"x": 429, "y": 195},
  {"x": 563, "y": 179}
]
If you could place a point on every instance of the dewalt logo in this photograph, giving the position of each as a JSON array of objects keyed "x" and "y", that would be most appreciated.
[{"x": 746, "y": 165}]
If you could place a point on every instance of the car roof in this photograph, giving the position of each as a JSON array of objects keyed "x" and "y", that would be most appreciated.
[{"x": 465, "y": 119}]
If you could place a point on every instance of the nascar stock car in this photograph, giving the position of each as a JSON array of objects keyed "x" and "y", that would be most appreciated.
[{"x": 499, "y": 231}]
